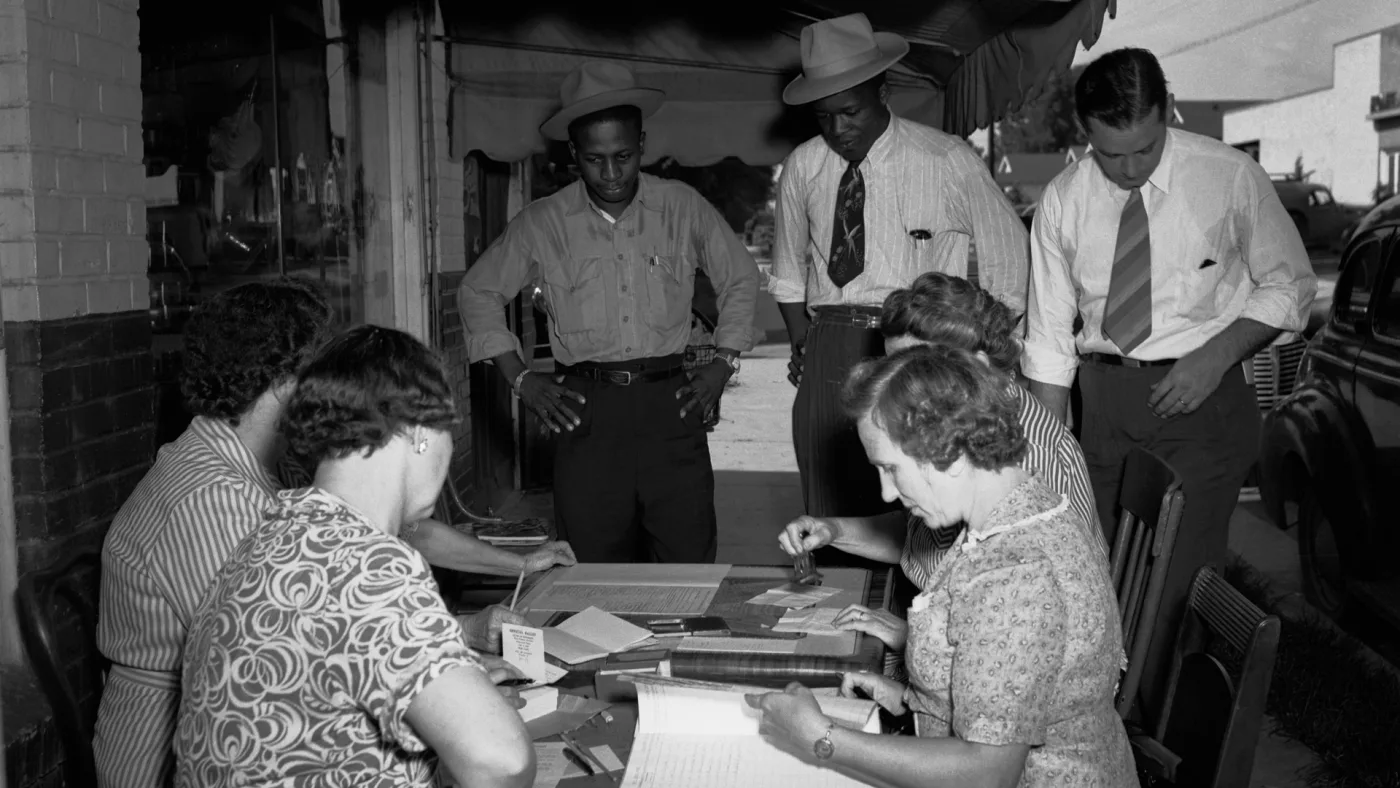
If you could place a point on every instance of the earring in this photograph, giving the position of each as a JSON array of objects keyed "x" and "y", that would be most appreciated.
[{"x": 422, "y": 446}]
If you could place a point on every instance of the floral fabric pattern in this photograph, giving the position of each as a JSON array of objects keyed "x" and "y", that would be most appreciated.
[
  {"x": 1017, "y": 641},
  {"x": 315, "y": 639}
]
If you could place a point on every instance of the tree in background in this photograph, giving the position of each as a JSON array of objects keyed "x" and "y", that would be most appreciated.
[
  {"x": 1045, "y": 125},
  {"x": 739, "y": 191}
]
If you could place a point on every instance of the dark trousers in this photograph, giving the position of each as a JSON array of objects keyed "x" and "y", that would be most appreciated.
[
  {"x": 1211, "y": 449},
  {"x": 837, "y": 478},
  {"x": 633, "y": 481}
]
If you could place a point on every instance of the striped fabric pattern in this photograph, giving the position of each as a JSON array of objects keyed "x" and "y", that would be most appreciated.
[
  {"x": 928, "y": 197},
  {"x": 204, "y": 493},
  {"x": 1053, "y": 456},
  {"x": 1128, "y": 318}
]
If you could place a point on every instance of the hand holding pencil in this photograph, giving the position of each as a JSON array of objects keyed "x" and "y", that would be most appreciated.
[{"x": 484, "y": 629}]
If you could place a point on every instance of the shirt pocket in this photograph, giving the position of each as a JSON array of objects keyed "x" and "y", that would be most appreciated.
[
  {"x": 670, "y": 288},
  {"x": 579, "y": 298},
  {"x": 1202, "y": 294}
]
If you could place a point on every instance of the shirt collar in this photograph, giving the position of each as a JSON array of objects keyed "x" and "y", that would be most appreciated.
[
  {"x": 1162, "y": 176},
  {"x": 647, "y": 197},
  {"x": 220, "y": 436},
  {"x": 884, "y": 145}
]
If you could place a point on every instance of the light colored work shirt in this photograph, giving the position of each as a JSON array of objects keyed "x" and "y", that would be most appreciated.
[
  {"x": 616, "y": 290},
  {"x": 918, "y": 181},
  {"x": 1223, "y": 248}
]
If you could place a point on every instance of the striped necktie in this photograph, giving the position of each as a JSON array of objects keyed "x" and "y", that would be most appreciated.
[
  {"x": 1128, "y": 319},
  {"x": 847, "y": 259}
]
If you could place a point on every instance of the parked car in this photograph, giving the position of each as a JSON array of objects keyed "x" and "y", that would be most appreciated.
[
  {"x": 1330, "y": 451},
  {"x": 1321, "y": 220}
]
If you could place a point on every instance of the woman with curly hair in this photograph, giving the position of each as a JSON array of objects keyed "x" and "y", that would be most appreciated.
[
  {"x": 1014, "y": 645},
  {"x": 323, "y": 654},
  {"x": 938, "y": 309}
]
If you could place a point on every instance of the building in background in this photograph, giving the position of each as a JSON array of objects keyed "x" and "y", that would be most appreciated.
[{"x": 1346, "y": 135}]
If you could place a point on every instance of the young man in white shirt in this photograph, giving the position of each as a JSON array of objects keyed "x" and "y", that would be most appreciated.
[
  {"x": 1182, "y": 262},
  {"x": 872, "y": 202}
]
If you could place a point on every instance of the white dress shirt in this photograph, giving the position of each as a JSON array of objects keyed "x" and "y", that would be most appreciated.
[
  {"x": 916, "y": 179},
  {"x": 1223, "y": 248}
]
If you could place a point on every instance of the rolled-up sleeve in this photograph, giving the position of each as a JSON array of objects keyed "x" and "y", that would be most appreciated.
[
  {"x": 1284, "y": 282},
  {"x": 735, "y": 276},
  {"x": 496, "y": 278},
  {"x": 788, "y": 279},
  {"x": 978, "y": 207},
  {"x": 1051, "y": 302},
  {"x": 1008, "y": 627}
]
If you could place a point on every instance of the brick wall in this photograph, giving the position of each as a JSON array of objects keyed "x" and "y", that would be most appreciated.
[{"x": 73, "y": 293}]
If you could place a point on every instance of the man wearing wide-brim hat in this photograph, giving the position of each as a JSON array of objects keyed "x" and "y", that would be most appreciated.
[
  {"x": 862, "y": 210},
  {"x": 616, "y": 256}
]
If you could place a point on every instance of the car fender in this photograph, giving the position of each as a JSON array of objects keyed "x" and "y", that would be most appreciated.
[{"x": 1313, "y": 436}]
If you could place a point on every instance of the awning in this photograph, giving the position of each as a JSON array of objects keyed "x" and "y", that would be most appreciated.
[{"x": 972, "y": 61}]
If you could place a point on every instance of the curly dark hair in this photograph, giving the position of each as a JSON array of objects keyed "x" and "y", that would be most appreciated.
[
  {"x": 939, "y": 403},
  {"x": 367, "y": 385},
  {"x": 243, "y": 341},
  {"x": 948, "y": 310}
]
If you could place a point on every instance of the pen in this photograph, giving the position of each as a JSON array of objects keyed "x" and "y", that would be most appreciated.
[
  {"x": 579, "y": 760},
  {"x": 516, "y": 596}
]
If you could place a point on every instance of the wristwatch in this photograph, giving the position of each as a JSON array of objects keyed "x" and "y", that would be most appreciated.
[
  {"x": 824, "y": 748},
  {"x": 729, "y": 357}
]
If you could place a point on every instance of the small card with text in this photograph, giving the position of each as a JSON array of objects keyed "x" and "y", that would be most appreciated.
[{"x": 523, "y": 647}]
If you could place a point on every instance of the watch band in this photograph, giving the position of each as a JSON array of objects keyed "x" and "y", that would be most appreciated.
[{"x": 731, "y": 360}]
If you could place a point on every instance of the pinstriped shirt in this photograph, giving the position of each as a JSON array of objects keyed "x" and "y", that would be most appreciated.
[
  {"x": 205, "y": 492},
  {"x": 916, "y": 179},
  {"x": 1053, "y": 456}
]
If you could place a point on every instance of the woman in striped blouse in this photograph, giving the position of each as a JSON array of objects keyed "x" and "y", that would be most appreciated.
[
  {"x": 939, "y": 309},
  {"x": 323, "y": 655}
]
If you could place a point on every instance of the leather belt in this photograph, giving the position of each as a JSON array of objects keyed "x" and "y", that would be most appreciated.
[
  {"x": 1124, "y": 361},
  {"x": 622, "y": 377},
  {"x": 857, "y": 316}
]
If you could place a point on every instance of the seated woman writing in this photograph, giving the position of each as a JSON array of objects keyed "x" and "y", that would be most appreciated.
[
  {"x": 1014, "y": 645},
  {"x": 323, "y": 654}
]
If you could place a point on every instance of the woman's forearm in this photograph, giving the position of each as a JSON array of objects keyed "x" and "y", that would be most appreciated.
[
  {"x": 915, "y": 762},
  {"x": 446, "y": 547},
  {"x": 879, "y": 538}
]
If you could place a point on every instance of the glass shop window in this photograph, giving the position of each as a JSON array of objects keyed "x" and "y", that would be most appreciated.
[{"x": 249, "y": 163}]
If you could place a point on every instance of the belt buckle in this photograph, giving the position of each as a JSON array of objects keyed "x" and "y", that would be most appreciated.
[{"x": 620, "y": 377}]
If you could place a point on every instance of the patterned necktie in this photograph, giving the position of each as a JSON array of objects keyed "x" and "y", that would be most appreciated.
[
  {"x": 1128, "y": 319},
  {"x": 847, "y": 259}
]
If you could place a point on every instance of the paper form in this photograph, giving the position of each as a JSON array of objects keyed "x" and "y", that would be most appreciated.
[
  {"x": 794, "y": 595},
  {"x": 523, "y": 647},
  {"x": 643, "y": 574},
  {"x": 674, "y": 600},
  {"x": 550, "y": 764},
  {"x": 816, "y": 621},
  {"x": 604, "y": 630}
]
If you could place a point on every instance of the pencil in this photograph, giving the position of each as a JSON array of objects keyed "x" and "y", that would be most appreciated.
[{"x": 516, "y": 596}]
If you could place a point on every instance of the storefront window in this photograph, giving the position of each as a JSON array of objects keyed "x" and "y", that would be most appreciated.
[{"x": 249, "y": 169}]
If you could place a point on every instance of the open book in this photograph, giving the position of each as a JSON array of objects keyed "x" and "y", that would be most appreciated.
[{"x": 698, "y": 734}]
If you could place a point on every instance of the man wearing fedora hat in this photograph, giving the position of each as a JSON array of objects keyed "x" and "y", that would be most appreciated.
[
  {"x": 862, "y": 210},
  {"x": 616, "y": 256}
]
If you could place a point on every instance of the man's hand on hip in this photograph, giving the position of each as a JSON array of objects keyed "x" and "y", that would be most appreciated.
[
  {"x": 795, "y": 364},
  {"x": 547, "y": 397},
  {"x": 1191, "y": 379},
  {"x": 704, "y": 388}
]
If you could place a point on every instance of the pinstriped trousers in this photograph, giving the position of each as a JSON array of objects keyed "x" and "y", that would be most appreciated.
[{"x": 837, "y": 478}]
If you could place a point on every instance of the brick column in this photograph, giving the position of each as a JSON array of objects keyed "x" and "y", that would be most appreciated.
[{"x": 73, "y": 290}]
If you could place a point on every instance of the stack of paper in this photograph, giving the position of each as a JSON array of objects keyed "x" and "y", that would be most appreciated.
[
  {"x": 816, "y": 621},
  {"x": 794, "y": 595},
  {"x": 694, "y": 734},
  {"x": 591, "y": 634}
]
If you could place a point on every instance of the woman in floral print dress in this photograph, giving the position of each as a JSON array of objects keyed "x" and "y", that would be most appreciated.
[
  {"x": 1015, "y": 645},
  {"x": 323, "y": 654}
]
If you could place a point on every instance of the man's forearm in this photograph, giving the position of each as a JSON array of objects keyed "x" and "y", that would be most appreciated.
[
  {"x": 510, "y": 365},
  {"x": 1240, "y": 340},
  {"x": 795, "y": 318},
  {"x": 446, "y": 547},
  {"x": 879, "y": 538},
  {"x": 1054, "y": 398}
]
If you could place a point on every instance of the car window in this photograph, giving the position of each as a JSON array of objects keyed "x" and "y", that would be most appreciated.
[
  {"x": 1357, "y": 281},
  {"x": 1388, "y": 309},
  {"x": 1320, "y": 198}
]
